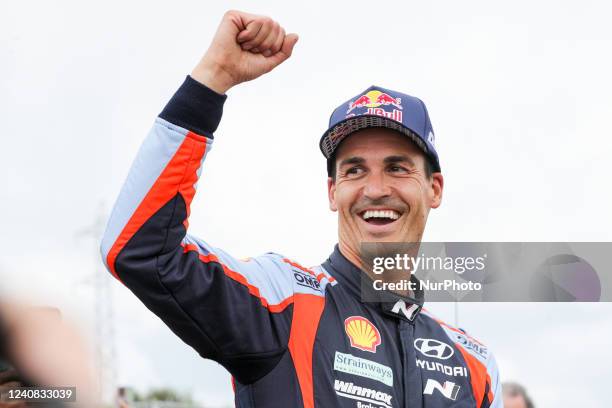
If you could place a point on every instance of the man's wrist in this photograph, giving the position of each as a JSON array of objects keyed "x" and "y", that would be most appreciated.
[
  {"x": 195, "y": 107},
  {"x": 213, "y": 77}
]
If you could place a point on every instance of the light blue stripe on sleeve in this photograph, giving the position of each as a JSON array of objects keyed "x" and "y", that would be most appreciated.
[
  {"x": 268, "y": 273},
  {"x": 157, "y": 150}
]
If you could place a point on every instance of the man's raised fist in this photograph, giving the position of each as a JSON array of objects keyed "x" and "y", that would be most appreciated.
[{"x": 245, "y": 46}]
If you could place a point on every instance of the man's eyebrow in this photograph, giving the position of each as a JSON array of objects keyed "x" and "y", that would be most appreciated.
[
  {"x": 399, "y": 159},
  {"x": 352, "y": 160}
]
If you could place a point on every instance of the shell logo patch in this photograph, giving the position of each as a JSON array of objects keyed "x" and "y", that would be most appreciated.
[{"x": 362, "y": 333}]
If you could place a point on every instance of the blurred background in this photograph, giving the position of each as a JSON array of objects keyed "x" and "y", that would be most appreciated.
[{"x": 518, "y": 93}]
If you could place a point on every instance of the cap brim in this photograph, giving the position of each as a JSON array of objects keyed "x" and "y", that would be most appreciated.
[{"x": 332, "y": 138}]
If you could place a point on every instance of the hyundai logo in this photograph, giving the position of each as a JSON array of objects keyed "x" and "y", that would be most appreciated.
[{"x": 434, "y": 348}]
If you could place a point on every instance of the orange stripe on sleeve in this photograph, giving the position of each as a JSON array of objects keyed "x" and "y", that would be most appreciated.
[
  {"x": 479, "y": 377},
  {"x": 253, "y": 290},
  {"x": 179, "y": 175}
]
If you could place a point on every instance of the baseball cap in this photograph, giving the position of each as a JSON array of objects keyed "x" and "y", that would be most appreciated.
[{"x": 383, "y": 108}]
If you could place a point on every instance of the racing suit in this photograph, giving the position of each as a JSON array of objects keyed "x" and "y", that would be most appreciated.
[{"x": 290, "y": 336}]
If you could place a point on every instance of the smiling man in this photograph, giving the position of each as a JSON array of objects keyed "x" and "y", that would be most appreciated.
[
  {"x": 293, "y": 336},
  {"x": 381, "y": 183}
]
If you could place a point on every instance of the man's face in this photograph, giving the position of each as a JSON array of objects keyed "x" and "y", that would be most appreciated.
[
  {"x": 514, "y": 401},
  {"x": 381, "y": 191}
]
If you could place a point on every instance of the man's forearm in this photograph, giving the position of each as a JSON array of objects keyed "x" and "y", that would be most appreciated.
[{"x": 213, "y": 77}]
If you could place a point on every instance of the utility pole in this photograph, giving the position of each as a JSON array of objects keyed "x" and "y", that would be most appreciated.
[{"x": 104, "y": 329}]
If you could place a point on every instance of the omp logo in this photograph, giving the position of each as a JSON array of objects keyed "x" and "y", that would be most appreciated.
[
  {"x": 305, "y": 280},
  {"x": 449, "y": 389},
  {"x": 434, "y": 348},
  {"x": 350, "y": 390},
  {"x": 431, "y": 138},
  {"x": 362, "y": 333},
  {"x": 472, "y": 345}
]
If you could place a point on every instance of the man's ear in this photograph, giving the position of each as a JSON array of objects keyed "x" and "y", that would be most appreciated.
[
  {"x": 331, "y": 194},
  {"x": 437, "y": 186}
]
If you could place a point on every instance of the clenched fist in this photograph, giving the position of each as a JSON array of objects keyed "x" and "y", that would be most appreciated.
[{"x": 245, "y": 46}]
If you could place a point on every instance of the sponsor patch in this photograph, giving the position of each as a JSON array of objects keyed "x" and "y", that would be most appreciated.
[
  {"x": 362, "y": 394},
  {"x": 350, "y": 364},
  {"x": 366, "y": 405},
  {"x": 434, "y": 348},
  {"x": 362, "y": 333},
  {"x": 455, "y": 371},
  {"x": 374, "y": 99},
  {"x": 377, "y": 103},
  {"x": 472, "y": 345},
  {"x": 449, "y": 389},
  {"x": 306, "y": 280}
]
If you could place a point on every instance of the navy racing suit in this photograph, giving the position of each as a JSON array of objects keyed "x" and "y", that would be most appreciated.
[{"x": 290, "y": 336}]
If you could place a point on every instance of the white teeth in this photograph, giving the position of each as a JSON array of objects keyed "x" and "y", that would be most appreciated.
[{"x": 381, "y": 214}]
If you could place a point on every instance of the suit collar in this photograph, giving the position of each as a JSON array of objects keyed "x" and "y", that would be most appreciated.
[{"x": 360, "y": 285}]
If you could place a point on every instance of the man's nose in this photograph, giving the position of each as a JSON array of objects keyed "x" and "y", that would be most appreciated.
[{"x": 376, "y": 186}]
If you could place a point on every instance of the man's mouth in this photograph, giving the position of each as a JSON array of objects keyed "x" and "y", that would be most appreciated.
[{"x": 380, "y": 217}]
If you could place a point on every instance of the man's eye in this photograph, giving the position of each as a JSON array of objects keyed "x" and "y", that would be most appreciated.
[
  {"x": 354, "y": 171},
  {"x": 397, "y": 169}
]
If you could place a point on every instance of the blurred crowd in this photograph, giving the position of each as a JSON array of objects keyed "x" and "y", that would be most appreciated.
[
  {"x": 37, "y": 348},
  {"x": 515, "y": 396}
]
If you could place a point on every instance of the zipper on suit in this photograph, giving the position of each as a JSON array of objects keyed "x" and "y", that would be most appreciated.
[{"x": 413, "y": 383}]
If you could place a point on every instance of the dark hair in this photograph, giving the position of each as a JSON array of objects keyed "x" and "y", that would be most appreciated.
[
  {"x": 513, "y": 389},
  {"x": 331, "y": 167}
]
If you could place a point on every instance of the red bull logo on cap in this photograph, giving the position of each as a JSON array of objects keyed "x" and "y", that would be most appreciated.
[{"x": 375, "y": 101}]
